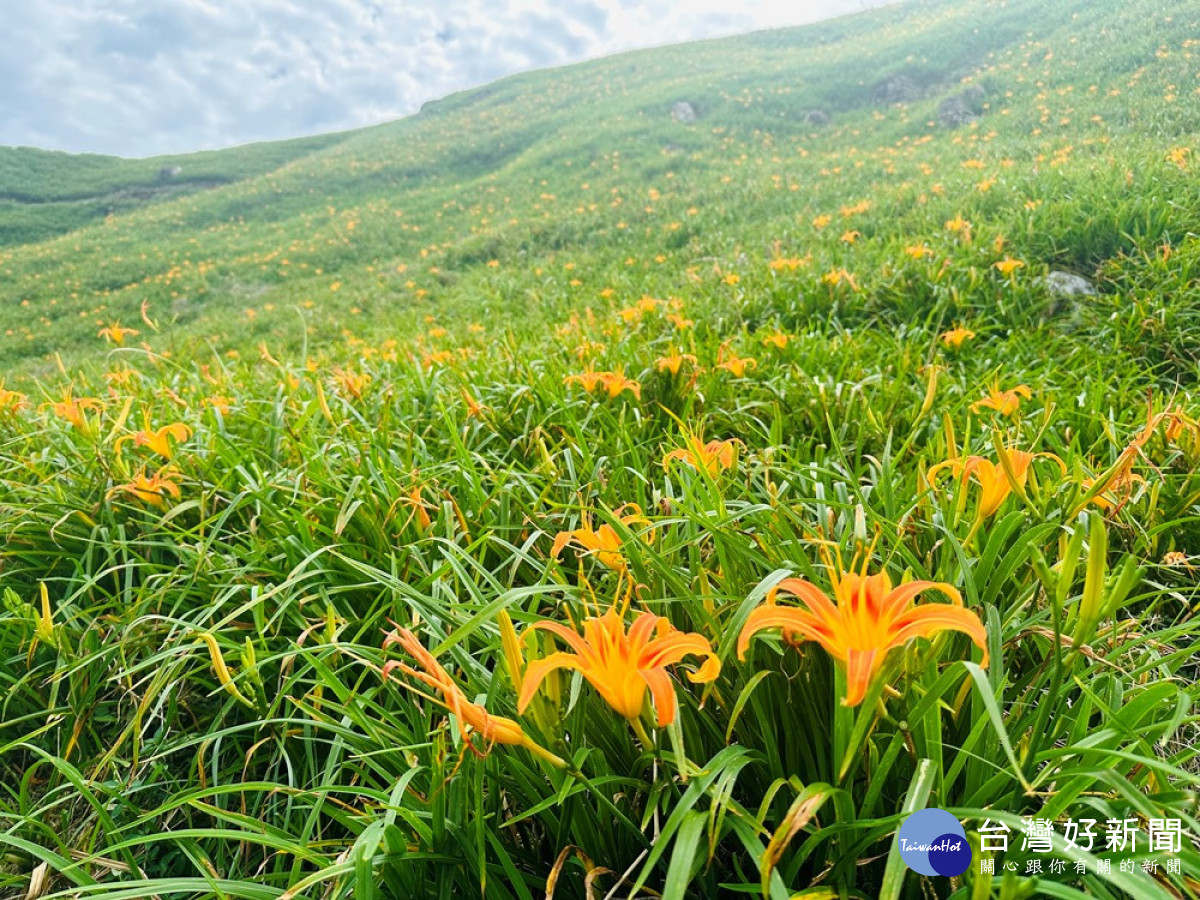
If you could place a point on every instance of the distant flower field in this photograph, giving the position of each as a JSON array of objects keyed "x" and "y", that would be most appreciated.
[{"x": 644, "y": 522}]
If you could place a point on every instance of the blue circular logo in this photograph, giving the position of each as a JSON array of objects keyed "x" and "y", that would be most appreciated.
[{"x": 933, "y": 842}]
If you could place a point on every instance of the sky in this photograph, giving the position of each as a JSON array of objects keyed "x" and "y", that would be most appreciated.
[{"x": 149, "y": 77}]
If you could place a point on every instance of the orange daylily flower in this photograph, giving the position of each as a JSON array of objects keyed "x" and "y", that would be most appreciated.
[
  {"x": 471, "y": 718},
  {"x": 736, "y": 365},
  {"x": 866, "y": 618},
  {"x": 474, "y": 407},
  {"x": 994, "y": 483},
  {"x": 75, "y": 409},
  {"x": 115, "y": 333},
  {"x": 955, "y": 337},
  {"x": 674, "y": 362},
  {"x": 778, "y": 340},
  {"x": 158, "y": 440},
  {"x": 219, "y": 402},
  {"x": 680, "y": 322},
  {"x": 1006, "y": 403},
  {"x": 11, "y": 401},
  {"x": 613, "y": 382},
  {"x": 603, "y": 542},
  {"x": 1007, "y": 266},
  {"x": 1116, "y": 491},
  {"x": 714, "y": 457},
  {"x": 1121, "y": 480},
  {"x": 791, "y": 264},
  {"x": 153, "y": 489},
  {"x": 621, "y": 665},
  {"x": 419, "y": 506},
  {"x": 960, "y": 226},
  {"x": 351, "y": 382},
  {"x": 834, "y": 277}
]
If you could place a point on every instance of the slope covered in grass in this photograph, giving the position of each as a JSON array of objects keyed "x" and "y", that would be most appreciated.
[{"x": 542, "y": 360}]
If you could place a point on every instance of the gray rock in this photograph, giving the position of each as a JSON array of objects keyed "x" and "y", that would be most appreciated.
[
  {"x": 953, "y": 112},
  {"x": 683, "y": 112},
  {"x": 896, "y": 89},
  {"x": 816, "y": 118},
  {"x": 1067, "y": 284},
  {"x": 974, "y": 94}
]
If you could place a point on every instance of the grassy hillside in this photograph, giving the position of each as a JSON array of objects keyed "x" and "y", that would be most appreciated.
[
  {"x": 46, "y": 193},
  {"x": 542, "y": 364}
]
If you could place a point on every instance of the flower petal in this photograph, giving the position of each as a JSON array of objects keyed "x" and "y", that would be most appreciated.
[
  {"x": 539, "y": 669},
  {"x": 792, "y": 621},
  {"x": 930, "y": 618},
  {"x": 861, "y": 666},
  {"x": 663, "y": 693}
]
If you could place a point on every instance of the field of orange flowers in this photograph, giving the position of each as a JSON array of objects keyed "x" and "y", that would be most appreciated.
[{"x": 540, "y": 497}]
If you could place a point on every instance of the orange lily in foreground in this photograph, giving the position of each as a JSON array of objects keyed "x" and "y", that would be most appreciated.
[
  {"x": 158, "y": 440},
  {"x": 621, "y": 665},
  {"x": 473, "y": 716},
  {"x": 994, "y": 483},
  {"x": 153, "y": 489},
  {"x": 866, "y": 619},
  {"x": 714, "y": 457},
  {"x": 75, "y": 409}
]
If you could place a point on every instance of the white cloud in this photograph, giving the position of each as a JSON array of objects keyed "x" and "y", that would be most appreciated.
[{"x": 140, "y": 78}]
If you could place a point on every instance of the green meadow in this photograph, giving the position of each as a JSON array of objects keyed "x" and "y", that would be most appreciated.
[{"x": 561, "y": 494}]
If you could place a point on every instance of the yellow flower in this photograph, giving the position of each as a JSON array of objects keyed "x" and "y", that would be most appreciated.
[
  {"x": 674, "y": 362},
  {"x": 622, "y": 665},
  {"x": 604, "y": 543},
  {"x": 613, "y": 382},
  {"x": 961, "y": 227},
  {"x": 994, "y": 482},
  {"x": 791, "y": 264},
  {"x": 471, "y": 718},
  {"x": 115, "y": 333},
  {"x": 474, "y": 408},
  {"x": 866, "y": 619},
  {"x": 75, "y": 409},
  {"x": 153, "y": 489},
  {"x": 834, "y": 277},
  {"x": 1007, "y": 266},
  {"x": 351, "y": 382},
  {"x": 918, "y": 251},
  {"x": 778, "y": 340},
  {"x": 158, "y": 440},
  {"x": 219, "y": 402},
  {"x": 680, "y": 322},
  {"x": 419, "y": 506},
  {"x": 735, "y": 365},
  {"x": 714, "y": 457},
  {"x": 955, "y": 336},
  {"x": 11, "y": 401},
  {"x": 1006, "y": 403}
]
